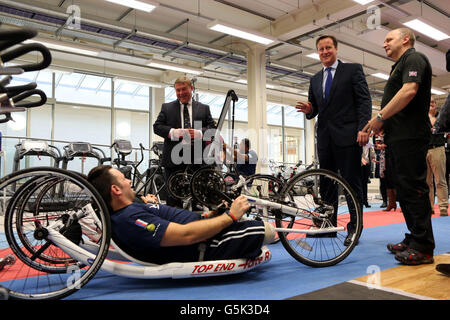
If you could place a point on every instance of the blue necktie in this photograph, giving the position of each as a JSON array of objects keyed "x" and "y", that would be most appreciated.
[
  {"x": 187, "y": 118},
  {"x": 328, "y": 83}
]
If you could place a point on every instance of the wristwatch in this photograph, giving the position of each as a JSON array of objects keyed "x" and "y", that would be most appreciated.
[{"x": 379, "y": 117}]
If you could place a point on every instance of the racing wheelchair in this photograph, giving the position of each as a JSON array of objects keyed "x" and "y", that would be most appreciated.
[
  {"x": 48, "y": 253},
  {"x": 60, "y": 250}
]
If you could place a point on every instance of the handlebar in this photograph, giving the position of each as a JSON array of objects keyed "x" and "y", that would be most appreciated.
[
  {"x": 27, "y": 48},
  {"x": 30, "y": 93},
  {"x": 15, "y": 90},
  {"x": 9, "y": 38}
]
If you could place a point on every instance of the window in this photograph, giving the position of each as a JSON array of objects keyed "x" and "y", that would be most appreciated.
[
  {"x": 16, "y": 128},
  {"x": 84, "y": 124},
  {"x": 83, "y": 89},
  {"x": 292, "y": 118},
  {"x": 130, "y": 95},
  {"x": 287, "y": 122},
  {"x": 43, "y": 79},
  {"x": 274, "y": 114},
  {"x": 133, "y": 126}
]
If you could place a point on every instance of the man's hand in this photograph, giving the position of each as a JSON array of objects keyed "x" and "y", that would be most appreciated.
[
  {"x": 374, "y": 126},
  {"x": 239, "y": 206},
  {"x": 305, "y": 107},
  {"x": 177, "y": 133},
  {"x": 149, "y": 198},
  {"x": 195, "y": 134},
  {"x": 363, "y": 138}
]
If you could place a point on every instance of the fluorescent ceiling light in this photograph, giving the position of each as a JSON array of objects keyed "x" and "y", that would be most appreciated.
[
  {"x": 244, "y": 81},
  {"x": 314, "y": 56},
  {"x": 420, "y": 26},
  {"x": 438, "y": 92},
  {"x": 240, "y": 32},
  {"x": 174, "y": 67},
  {"x": 142, "y": 5},
  {"x": 363, "y": 2},
  {"x": 58, "y": 45},
  {"x": 380, "y": 75}
]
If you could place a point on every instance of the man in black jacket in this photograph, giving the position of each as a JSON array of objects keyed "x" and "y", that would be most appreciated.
[
  {"x": 182, "y": 123},
  {"x": 340, "y": 97}
]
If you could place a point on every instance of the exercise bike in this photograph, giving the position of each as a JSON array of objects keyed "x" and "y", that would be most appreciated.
[{"x": 152, "y": 179}]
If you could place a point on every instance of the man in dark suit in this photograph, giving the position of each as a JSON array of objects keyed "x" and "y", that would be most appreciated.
[
  {"x": 340, "y": 97},
  {"x": 182, "y": 123}
]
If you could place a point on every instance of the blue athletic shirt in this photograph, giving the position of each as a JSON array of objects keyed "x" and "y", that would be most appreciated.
[{"x": 138, "y": 230}]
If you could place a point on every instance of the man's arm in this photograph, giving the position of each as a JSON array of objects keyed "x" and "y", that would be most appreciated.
[
  {"x": 160, "y": 127},
  {"x": 201, "y": 230},
  {"x": 363, "y": 103},
  {"x": 401, "y": 99}
]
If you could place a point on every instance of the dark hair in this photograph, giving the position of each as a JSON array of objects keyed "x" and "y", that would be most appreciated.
[
  {"x": 327, "y": 36},
  {"x": 102, "y": 180},
  {"x": 246, "y": 142}
]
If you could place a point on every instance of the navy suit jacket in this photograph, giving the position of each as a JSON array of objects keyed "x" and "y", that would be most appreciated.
[
  {"x": 348, "y": 109},
  {"x": 170, "y": 117}
]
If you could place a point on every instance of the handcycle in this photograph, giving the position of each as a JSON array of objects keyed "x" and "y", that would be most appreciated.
[{"x": 60, "y": 250}]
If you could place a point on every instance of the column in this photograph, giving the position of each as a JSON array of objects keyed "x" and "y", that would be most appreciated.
[{"x": 257, "y": 105}]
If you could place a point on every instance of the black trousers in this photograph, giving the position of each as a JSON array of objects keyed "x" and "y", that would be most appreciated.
[
  {"x": 347, "y": 162},
  {"x": 365, "y": 175},
  {"x": 383, "y": 190},
  {"x": 410, "y": 169}
]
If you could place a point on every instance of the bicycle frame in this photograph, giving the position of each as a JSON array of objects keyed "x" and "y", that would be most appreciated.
[{"x": 294, "y": 212}]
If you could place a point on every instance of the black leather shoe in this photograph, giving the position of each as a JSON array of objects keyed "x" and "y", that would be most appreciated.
[
  {"x": 348, "y": 239},
  {"x": 444, "y": 268}
]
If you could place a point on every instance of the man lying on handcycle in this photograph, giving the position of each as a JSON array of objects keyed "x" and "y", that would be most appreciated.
[{"x": 161, "y": 234}]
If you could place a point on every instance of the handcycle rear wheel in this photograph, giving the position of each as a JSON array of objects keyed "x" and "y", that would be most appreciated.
[
  {"x": 326, "y": 201},
  {"x": 43, "y": 270}
]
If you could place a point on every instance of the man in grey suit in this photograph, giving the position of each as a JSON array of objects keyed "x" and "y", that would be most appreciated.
[
  {"x": 182, "y": 123},
  {"x": 340, "y": 97}
]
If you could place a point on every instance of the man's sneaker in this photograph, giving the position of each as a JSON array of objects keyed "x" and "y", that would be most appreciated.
[
  {"x": 398, "y": 247},
  {"x": 413, "y": 257}
]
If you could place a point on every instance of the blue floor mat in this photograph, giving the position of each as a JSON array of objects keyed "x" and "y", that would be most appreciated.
[{"x": 283, "y": 277}]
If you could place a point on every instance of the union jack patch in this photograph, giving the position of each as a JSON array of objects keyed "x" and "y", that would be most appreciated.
[{"x": 412, "y": 74}]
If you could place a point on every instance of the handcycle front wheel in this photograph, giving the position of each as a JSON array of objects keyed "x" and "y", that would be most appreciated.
[
  {"x": 265, "y": 187},
  {"x": 329, "y": 211},
  {"x": 43, "y": 270}
]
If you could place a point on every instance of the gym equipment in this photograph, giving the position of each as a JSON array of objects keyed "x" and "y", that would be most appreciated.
[
  {"x": 83, "y": 150},
  {"x": 11, "y": 97},
  {"x": 36, "y": 148},
  {"x": 151, "y": 180}
]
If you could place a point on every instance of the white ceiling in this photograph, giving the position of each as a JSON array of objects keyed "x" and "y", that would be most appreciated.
[{"x": 295, "y": 23}]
